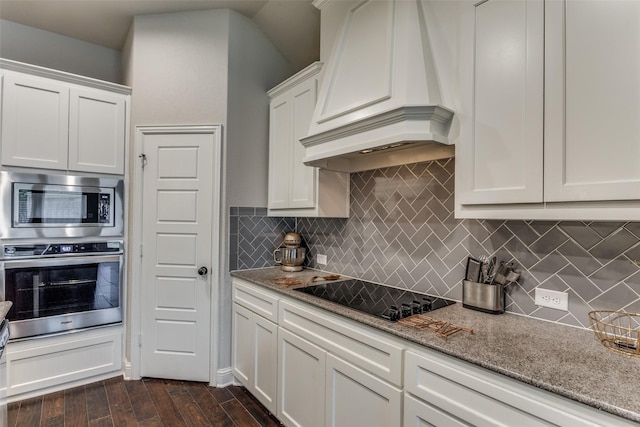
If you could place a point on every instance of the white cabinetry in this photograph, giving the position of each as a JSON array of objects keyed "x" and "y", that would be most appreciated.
[
  {"x": 294, "y": 188},
  {"x": 54, "y": 124},
  {"x": 503, "y": 162},
  {"x": 254, "y": 342},
  {"x": 333, "y": 371},
  {"x": 301, "y": 381},
  {"x": 443, "y": 391},
  {"x": 361, "y": 373},
  {"x": 330, "y": 371},
  {"x": 36, "y": 367},
  {"x": 538, "y": 157}
]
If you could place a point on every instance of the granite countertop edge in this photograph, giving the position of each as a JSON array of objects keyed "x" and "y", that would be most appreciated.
[{"x": 493, "y": 337}]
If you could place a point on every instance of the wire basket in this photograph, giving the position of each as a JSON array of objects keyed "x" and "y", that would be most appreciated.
[{"x": 617, "y": 330}]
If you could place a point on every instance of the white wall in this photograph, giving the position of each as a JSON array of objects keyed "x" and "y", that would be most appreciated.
[
  {"x": 255, "y": 66},
  {"x": 209, "y": 67},
  {"x": 46, "y": 49}
]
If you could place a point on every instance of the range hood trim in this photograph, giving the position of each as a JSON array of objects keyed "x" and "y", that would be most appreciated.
[
  {"x": 422, "y": 128},
  {"x": 357, "y": 123},
  {"x": 430, "y": 113}
]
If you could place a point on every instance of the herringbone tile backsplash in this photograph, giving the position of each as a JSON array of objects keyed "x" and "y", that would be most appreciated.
[{"x": 402, "y": 232}]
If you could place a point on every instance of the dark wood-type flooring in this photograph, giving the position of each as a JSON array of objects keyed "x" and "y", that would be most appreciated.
[{"x": 148, "y": 402}]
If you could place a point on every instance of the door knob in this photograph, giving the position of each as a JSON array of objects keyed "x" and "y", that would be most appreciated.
[{"x": 203, "y": 271}]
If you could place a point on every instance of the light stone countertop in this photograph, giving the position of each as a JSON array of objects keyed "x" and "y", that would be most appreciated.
[
  {"x": 565, "y": 360},
  {"x": 4, "y": 309}
]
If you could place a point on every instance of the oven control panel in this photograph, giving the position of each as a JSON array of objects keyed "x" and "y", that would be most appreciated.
[{"x": 60, "y": 249}]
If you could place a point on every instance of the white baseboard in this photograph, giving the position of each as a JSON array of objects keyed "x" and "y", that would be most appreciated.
[
  {"x": 224, "y": 377},
  {"x": 128, "y": 372}
]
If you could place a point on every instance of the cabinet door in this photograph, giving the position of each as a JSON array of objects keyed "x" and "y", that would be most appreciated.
[
  {"x": 503, "y": 161},
  {"x": 303, "y": 178},
  {"x": 35, "y": 122},
  {"x": 280, "y": 155},
  {"x": 97, "y": 131},
  {"x": 420, "y": 414},
  {"x": 357, "y": 398},
  {"x": 592, "y": 100},
  {"x": 301, "y": 382},
  {"x": 241, "y": 351},
  {"x": 265, "y": 365}
]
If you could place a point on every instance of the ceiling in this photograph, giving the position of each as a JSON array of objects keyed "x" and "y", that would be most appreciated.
[{"x": 292, "y": 25}]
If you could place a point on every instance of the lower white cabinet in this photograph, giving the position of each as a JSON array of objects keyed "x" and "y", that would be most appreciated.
[
  {"x": 332, "y": 371},
  {"x": 317, "y": 388},
  {"x": 354, "y": 397},
  {"x": 254, "y": 354},
  {"x": 444, "y": 391},
  {"x": 301, "y": 374},
  {"x": 418, "y": 413},
  {"x": 47, "y": 364}
]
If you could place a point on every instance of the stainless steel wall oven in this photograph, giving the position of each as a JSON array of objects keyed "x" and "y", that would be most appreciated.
[
  {"x": 58, "y": 287},
  {"x": 51, "y": 206}
]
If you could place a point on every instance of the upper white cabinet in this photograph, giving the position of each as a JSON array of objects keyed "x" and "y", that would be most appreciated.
[
  {"x": 296, "y": 189},
  {"x": 54, "y": 124},
  {"x": 556, "y": 103},
  {"x": 592, "y": 100},
  {"x": 507, "y": 108}
]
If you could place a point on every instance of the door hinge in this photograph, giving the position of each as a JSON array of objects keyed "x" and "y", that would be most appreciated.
[
  {"x": 140, "y": 251},
  {"x": 143, "y": 160},
  {"x": 139, "y": 340}
]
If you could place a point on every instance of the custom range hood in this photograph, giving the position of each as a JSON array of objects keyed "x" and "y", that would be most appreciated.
[{"x": 379, "y": 101}]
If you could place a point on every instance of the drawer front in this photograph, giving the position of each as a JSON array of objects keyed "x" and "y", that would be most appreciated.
[
  {"x": 420, "y": 414},
  {"x": 481, "y": 397},
  {"x": 256, "y": 300},
  {"x": 352, "y": 342}
]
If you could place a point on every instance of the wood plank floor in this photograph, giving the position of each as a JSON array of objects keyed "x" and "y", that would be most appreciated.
[{"x": 147, "y": 402}]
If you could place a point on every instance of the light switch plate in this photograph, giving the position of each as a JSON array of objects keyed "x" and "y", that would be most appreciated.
[{"x": 321, "y": 259}]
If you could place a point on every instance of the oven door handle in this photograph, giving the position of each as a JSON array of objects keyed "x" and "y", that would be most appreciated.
[{"x": 60, "y": 261}]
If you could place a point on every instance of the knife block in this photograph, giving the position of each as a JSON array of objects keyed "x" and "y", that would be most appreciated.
[{"x": 483, "y": 297}]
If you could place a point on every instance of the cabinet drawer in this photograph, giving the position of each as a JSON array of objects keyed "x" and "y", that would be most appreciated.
[
  {"x": 346, "y": 339},
  {"x": 256, "y": 300},
  {"x": 420, "y": 414},
  {"x": 480, "y": 397},
  {"x": 38, "y": 364}
]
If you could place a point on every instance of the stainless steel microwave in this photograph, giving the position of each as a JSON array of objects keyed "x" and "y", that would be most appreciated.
[{"x": 46, "y": 206}]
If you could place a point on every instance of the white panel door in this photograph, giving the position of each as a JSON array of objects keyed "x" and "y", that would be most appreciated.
[
  {"x": 97, "y": 129},
  {"x": 356, "y": 398},
  {"x": 35, "y": 122},
  {"x": 592, "y": 100},
  {"x": 303, "y": 178},
  {"x": 280, "y": 155},
  {"x": 502, "y": 163},
  {"x": 177, "y": 241},
  {"x": 242, "y": 350},
  {"x": 265, "y": 367},
  {"x": 301, "y": 373}
]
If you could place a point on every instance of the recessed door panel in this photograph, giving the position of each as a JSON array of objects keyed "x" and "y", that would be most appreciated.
[
  {"x": 176, "y": 293},
  {"x": 176, "y": 337},
  {"x": 177, "y": 249},
  {"x": 177, "y": 206},
  {"x": 178, "y": 162}
]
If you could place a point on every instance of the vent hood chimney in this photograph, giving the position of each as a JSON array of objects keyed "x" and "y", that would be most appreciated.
[{"x": 379, "y": 101}]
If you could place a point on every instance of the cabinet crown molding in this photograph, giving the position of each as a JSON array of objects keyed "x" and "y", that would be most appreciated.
[{"x": 35, "y": 70}]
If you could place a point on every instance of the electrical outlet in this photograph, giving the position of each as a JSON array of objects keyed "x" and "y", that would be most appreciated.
[
  {"x": 552, "y": 299},
  {"x": 321, "y": 259}
]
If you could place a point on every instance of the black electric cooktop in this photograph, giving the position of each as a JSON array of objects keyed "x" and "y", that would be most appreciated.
[{"x": 379, "y": 300}]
